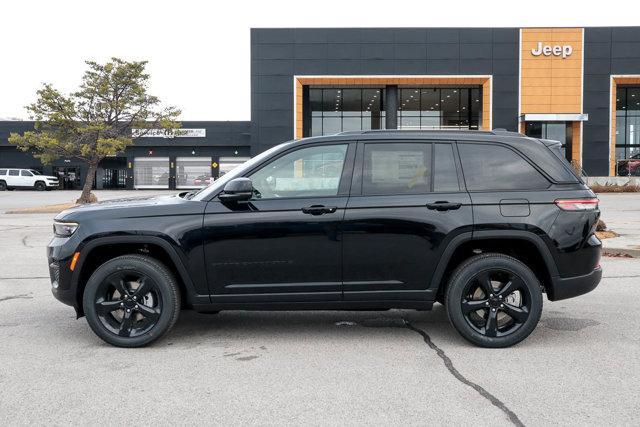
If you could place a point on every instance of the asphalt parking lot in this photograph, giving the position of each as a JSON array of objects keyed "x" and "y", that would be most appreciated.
[{"x": 580, "y": 366}]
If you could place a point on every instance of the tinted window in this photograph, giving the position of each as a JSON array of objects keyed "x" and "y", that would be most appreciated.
[
  {"x": 25, "y": 173},
  {"x": 3, "y": 171},
  {"x": 13, "y": 172},
  {"x": 307, "y": 172},
  {"x": 445, "y": 176},
  {"x": 396, "y": 169},
  {"x": 493, "y": 167}
]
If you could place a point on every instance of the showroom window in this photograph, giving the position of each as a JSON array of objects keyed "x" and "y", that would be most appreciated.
[
  {"x": 151, "y": 172},
  {"x": 628, "y": 131},
  {"x": 343, "y": 109},
  {"x": 227, "y": 164},
  {"x": 439, "y": 108},
  {"x": 193, "y": 172}
]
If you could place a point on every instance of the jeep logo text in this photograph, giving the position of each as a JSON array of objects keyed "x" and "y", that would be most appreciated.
[{"x": 556, "y": 50}]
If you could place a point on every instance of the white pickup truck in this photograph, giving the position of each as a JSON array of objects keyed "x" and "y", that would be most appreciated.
[{"x": 26, "y": 178}]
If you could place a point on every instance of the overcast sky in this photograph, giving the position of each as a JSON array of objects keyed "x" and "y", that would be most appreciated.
[{"x": 184, "y": 40}]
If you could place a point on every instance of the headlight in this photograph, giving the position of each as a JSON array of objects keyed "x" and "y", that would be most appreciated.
[{"x": 64, "y": 229}]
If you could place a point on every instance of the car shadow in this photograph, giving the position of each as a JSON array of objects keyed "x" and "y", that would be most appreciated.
[{"x": 233, "y": 325}]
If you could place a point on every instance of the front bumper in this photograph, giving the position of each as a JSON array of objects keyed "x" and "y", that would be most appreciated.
[
  {"x": 61, "y": 276},
  {"x": 570, "y": 287}
]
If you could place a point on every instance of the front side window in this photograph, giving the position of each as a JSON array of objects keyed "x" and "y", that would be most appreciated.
[
  {"x": 307, "y": 172},
  {"x": 25, "y": 173},
  {"x": 395, "y": 169},
  {"x": 493, "y": 167}
]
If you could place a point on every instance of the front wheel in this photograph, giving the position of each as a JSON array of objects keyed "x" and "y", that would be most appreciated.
[
  {"x": 40, "y": 186},
  {"x": 131, "y": 301},
  {"x": 494, "y": 300}
]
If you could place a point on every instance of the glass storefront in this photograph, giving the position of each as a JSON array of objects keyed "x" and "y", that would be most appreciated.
[
  {"x": 556, "y": 131},
  {"x": 627, "y": 131},
  {"x": 193, "y": 172},
  {"x": 439, "y": 108},
  {"x": 227, "y": 164},
  {"x": 337, "y": 110},
  {"x": 151, "y": 172}
]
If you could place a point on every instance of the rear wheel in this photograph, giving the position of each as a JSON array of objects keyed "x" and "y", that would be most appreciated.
[
  {"x": 3, "y": 186},
  {"x": 40, "y": 186},
  {"x": 131, "y": 300},
  {"x": 494, "y": 300}
]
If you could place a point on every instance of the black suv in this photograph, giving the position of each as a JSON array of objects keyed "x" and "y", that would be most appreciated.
[{"x": 483, "y": 222}]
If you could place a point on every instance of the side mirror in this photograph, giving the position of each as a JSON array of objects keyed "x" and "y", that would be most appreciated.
[{"x": 238, "y": 189}]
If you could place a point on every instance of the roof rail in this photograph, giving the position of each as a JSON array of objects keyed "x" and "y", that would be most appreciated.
[
  {"x": 365, "y": 132},
  {"x": 496, "y": 131}
]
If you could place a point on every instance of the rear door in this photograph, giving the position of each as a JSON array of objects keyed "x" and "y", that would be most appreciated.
[
  {"x": 407, "y": 203},
  {"x": 13, "y": 178}
]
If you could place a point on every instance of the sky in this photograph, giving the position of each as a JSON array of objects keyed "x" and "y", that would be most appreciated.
[{"x": 184, "y": 41}]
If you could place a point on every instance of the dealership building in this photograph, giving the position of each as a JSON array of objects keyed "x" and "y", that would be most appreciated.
[{"x": 580, "y": 86}]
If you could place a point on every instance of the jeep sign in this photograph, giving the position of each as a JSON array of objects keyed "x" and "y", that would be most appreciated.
[{"x": 556, "y": 50}]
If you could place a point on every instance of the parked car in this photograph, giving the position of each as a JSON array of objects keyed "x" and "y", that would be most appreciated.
[
  {"x": 482, "y": 222},
  {"x": 202, "y": 180},
  {"x": 26, "y": 178},
  {"x": 630, "y": 166}
]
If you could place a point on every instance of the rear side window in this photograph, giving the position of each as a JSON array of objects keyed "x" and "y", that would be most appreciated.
[
  {"x": 396, "y": 169},
  {"x": 3, "y": 171},
  {"x": 493, "y": 167},
  {"x": 13, "y": 172},
  {"x": 445, "y": 175}
]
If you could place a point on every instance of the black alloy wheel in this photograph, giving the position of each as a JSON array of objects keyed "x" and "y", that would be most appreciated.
[
  {"x": 131, "y": 300},
  {"x": 494, "y": 300},
  {"x": 3, "y": 186},
  {"x": 40, "y": 186},
  {"x": 128, "y": 303}
]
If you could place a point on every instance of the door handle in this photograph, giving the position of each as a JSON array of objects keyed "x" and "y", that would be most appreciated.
[
  {"x": 319, "y": 209},
  {"x": 442, "y": 205}
]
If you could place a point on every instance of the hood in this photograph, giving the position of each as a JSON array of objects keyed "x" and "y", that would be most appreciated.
[{"x": 124, "y": 204}]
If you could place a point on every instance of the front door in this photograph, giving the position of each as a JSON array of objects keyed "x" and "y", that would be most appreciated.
[
  {"x": 284, "y": 244},
  {"x": 406, "y": 204}
]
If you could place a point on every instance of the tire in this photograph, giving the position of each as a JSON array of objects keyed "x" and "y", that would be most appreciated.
[
  {"x": 3, "y": 186},
  {"x": 40, "y": 186},
  {"x": 508, "y": 314},
  {"x": 114, "y": 288}
]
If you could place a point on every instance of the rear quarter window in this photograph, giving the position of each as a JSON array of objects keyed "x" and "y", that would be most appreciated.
[
  {"x": 495, "y": 167},
  {"x": 3, "y": 171}
]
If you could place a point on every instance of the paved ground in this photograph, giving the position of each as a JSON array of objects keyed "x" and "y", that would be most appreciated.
[
  {"x": 621, "y": 213},
  {"x": 580, "y": 366}
]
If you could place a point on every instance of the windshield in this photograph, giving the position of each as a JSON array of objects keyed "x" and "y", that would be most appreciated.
[
  {"x": 218, "y": 184},
  {"x": 35, "y": 172}
]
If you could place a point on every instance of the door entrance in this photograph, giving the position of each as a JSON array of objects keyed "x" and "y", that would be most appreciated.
[
  {"x": 69, "y": 177},
  {"x": 557, "y": 131}
]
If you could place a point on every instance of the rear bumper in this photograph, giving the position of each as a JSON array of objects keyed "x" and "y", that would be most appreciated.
[{"x": 570, "y": 287}]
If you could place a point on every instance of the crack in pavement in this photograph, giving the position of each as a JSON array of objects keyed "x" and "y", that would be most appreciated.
[
  {"x": 22, "y": 296},
  {"x": 452, "y": 369}
]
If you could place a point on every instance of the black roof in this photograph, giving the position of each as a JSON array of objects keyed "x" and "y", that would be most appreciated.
[
  {"x": 534, "y": 149},
  {"x": 497, "y": 135}
]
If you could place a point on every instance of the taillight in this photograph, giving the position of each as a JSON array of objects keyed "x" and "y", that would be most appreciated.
[{"x": 577, "y": 204}]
